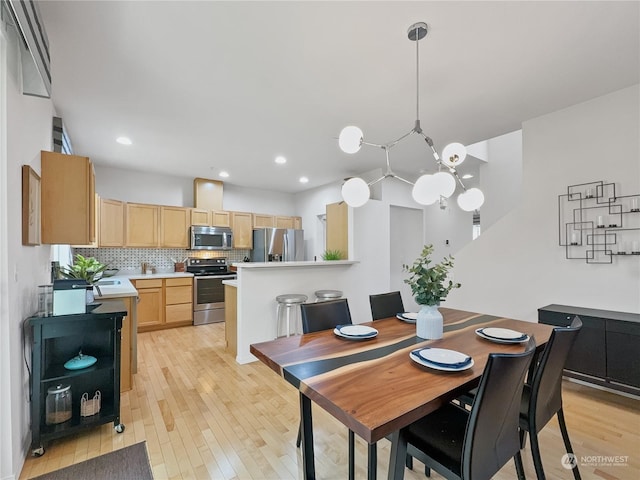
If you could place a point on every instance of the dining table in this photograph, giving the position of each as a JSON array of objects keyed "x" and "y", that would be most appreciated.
[{"x": 372, "y": 385}]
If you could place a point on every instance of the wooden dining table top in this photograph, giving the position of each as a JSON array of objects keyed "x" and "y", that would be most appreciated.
[{"x": 372, "y": 385}]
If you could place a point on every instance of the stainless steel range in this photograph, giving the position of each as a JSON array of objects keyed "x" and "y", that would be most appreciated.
[{"x": 208, "y": 290}]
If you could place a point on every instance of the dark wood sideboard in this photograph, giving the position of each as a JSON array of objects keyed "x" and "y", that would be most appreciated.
[{"x": 607, "y": 350}]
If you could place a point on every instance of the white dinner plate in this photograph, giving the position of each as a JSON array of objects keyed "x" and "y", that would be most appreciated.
[
  {"x": 418, "y": 359},
  {"x": 521, "y": 339},
  {"x": 355, "y": 331},
  {"x": 409, "y": 317},
  {"x": 443, "y": 357}
]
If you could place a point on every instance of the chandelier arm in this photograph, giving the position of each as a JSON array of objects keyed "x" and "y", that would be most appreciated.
[
  {"x": 455, "y": 174},
  {"x": 402, "y": 179},
  {"x": 376, "y": 181},
  {"x": 395, "y": 142},
  {"x": 378, "y": 145}
]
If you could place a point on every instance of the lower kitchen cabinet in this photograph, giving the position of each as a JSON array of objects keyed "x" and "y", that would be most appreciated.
[
  {"x": 606, "y": 349},
  {"x": 164, "y": 303},
  {"x": 150, "y": 303},
  {"x": 178, "y": 301},
  {"x": 54, "y": 341}
]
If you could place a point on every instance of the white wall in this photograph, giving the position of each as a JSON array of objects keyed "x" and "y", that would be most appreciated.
[
  {"x": 26, "y": 126},
  {"x": 517, "y": 266},
  {"x": 156, "y": 188}
]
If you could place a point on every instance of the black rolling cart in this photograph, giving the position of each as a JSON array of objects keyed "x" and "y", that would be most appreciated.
[{"x": 55, "y": 340}]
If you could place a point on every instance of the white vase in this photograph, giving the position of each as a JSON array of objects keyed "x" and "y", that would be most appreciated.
[
  {"x": 429, "y": 322},
  {"x": 90, "y": 296}
]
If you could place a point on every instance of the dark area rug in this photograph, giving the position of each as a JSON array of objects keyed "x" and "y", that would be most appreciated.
[{"x": 129, "y": 463}]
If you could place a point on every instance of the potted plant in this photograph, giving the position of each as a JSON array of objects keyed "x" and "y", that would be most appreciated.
[
  {"x": 332, "y": 255},
  {"x": 86, "y": 268},
  {"x": 430, "y": 285}
]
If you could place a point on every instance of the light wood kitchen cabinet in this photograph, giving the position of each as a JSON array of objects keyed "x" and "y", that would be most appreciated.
[
  {"x": 67, "y": 186},
  {"x": 220, "y": 218},
  {"x": 150, "y": 309},
  {"x": 164, "y": 303},
  {"x": 178, "y": 294},
  {"x": 111, "y": 223},
  {"x": 127, "y": 361},
  {"x": 261, "y": 220},
  {"x": 174, "y": 227},
  {"x": 96, "y": 216},
  {"x": 242, "y": 225},
  {"x": 288, "y": 222},
  {"x": 207, "y": 193},
  {"x": 142, "y": 225},
  {"x": 338, "y": 228},
  {"x": 200, "y": 216}
]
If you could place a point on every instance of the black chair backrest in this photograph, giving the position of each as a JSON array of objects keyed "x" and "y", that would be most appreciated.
[
  {"x": 325, "y": 315},
  {"x": 546, "y": 384},
  {"x": 491, "y": 438},
  {"x": 385, "y": 305}
]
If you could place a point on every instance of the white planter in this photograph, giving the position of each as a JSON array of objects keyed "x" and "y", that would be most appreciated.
[{"x": 429, "y": 322}]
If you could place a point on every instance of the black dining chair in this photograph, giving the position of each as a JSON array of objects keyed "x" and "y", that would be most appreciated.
[
  {"x": 385, "y": 305},
  {"x": 459, "y": 444},
  {"x": 542, "y": 395},
  {"x": 324, "y": 316}
]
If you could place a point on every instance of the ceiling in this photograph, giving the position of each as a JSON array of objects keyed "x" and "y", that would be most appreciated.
[{"x": 201, "y": 87}]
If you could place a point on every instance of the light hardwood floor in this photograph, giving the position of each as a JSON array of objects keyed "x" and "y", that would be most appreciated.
[{"x": 204, "y": 416}]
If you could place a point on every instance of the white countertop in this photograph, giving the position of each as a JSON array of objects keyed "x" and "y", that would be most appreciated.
[
  {"x": 123, "y": 289},
  {"x": 231, "y": 283},
  {"x": 321, "y": 263}
]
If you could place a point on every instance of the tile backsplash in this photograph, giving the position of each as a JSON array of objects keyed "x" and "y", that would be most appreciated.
[{"x": 131, "y": 259}]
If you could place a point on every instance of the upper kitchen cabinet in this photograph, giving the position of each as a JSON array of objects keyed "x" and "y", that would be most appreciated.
[
  {"x": 200, "y": 216},
  {"x": 111, "y": 223},
  {"x": 261, "y": 220},
  {"x": 242, "y": 226},
  {"x": 207, "y": 194},
  {"x": 142, "y": 225},
  {"x": 220, "y": 218},
  {"x": 289, "y": 222},
  {"x": 174, "y": 227},
  {"x": 68, "y": 208}
]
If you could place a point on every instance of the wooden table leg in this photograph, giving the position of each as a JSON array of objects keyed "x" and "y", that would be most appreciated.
[{"x": 307, "y": 438}]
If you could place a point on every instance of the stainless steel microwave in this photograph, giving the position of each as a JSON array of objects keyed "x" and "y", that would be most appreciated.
[{"x": 211, "y": 238}]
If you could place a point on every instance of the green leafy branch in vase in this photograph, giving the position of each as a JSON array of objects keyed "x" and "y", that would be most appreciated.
[{"x": 430, "y": 284}]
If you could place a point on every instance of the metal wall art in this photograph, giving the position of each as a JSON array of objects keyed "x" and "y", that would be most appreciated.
[{"x": 596, "y": 225}]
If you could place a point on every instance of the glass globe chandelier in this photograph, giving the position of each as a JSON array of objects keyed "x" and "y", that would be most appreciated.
[{"x": 428, "y": 189}]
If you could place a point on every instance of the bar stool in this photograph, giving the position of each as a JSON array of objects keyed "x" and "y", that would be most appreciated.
[
  {"x": 324, "y": 295},
  {"x": 290, "y": 301}
]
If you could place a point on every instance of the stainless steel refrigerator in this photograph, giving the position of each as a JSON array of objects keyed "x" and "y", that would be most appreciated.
[{"x": 277, "y": 245}]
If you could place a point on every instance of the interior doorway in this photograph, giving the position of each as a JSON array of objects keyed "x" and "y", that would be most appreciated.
[{"x": 406, "y": 242}]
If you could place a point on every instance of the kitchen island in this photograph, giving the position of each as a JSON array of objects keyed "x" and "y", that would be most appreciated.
[
  {"x": 259, "y": 284},
  {"x": 120, "y": 288}
]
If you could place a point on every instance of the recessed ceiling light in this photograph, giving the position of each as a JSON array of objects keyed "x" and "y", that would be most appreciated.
[
  {"x": 124, "y": 140},
  {"x": 223, "y": 174},
  {"x": 466, "y": 176},
  {"x": 280, "y": 160},
  {"x": 304, "y": 180}
]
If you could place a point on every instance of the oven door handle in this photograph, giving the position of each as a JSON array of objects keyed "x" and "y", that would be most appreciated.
[{"x": 220, "y": 277}]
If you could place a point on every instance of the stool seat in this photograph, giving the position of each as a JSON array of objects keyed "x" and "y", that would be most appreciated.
[
  {"x": 288, "y": 302},
  {"x": 291, "y": 298},
  {"x": 327, "y": 295}
]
